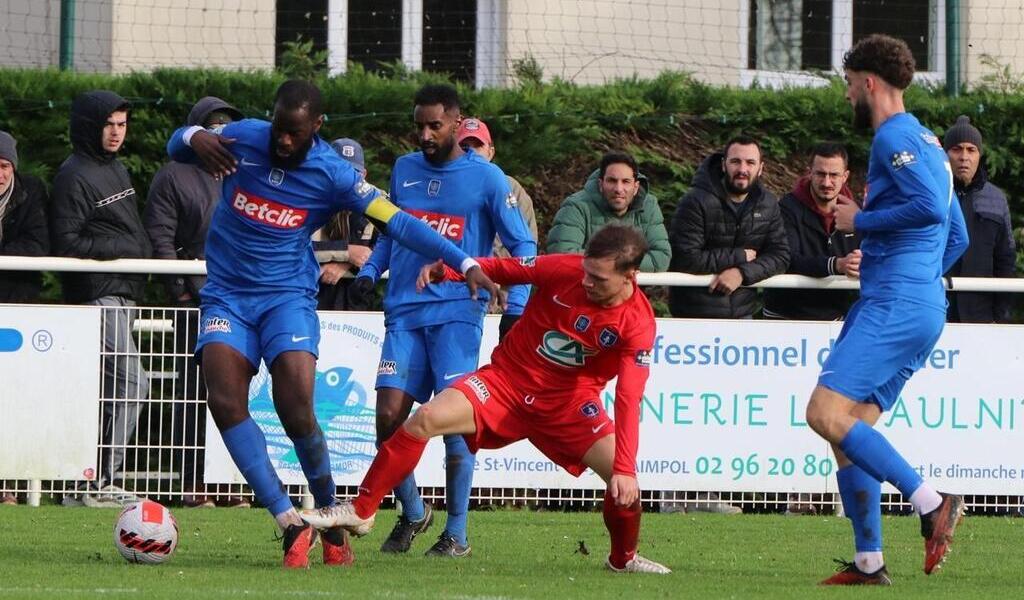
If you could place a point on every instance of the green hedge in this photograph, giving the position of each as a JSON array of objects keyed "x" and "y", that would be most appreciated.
[{"x": 549, "y": 136}]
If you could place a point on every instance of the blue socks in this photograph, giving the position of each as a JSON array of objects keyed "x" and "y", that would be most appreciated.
[
  {"x": 459, "y": 464},
  {"x": 862, "y": 502},
  {"x": 870, "y": 451},
  {"x": 409, "y": 495},
  {"x": 316, "y": 465},
  {"x": 248, "y": 448}
]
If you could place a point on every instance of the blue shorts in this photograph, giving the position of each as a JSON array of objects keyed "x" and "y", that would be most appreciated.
[
  {"x": 259, "y": 325},
  {"x": 424, "y": 361},
  {"x": 882, "y": 343}
]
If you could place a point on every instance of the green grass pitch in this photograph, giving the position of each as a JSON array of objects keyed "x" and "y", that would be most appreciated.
[{"x": 56, "y": 552}]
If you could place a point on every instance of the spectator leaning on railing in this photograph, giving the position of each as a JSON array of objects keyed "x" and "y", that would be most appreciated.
[
  {"x": 177, "y": 214},
  {"x": 95, "y": 215},
  {"x": 728, "y": 225},
  {"x": 816, "y": 248},
  {"x": 344, "y": 243},
  {"x": 991, "y": 252}
]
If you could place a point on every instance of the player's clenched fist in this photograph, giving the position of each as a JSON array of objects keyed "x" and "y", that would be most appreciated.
[{"x": 624, "y": 489}]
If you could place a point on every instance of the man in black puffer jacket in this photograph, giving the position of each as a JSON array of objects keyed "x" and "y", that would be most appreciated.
[
  {"x": 727, "y": 225},
  {"x": 94, "y": 215}
]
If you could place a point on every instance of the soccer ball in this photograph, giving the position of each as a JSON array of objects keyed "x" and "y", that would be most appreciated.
[{"x": 146, "y": 532}]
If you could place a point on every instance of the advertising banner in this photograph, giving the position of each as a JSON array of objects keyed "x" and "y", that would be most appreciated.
[
  {"x": 723, "y": 410},
  {"x": 49, "y": 391}
]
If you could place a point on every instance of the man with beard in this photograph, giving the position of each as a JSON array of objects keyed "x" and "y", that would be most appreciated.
[
  {"x": 816, "y": 249},
  {"x": 730, "y": 226},
  {"x": 992, "y": 252},
  {"x": 177, "y": 215},
  {"x": 432, "y": 338},
  {"x": 281, "y": 182},
  {"x": 616, "y": 192},
  {"x": 912, "y": 232}
]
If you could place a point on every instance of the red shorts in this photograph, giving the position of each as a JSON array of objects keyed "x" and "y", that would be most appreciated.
[{"x": 563, "y": 427}]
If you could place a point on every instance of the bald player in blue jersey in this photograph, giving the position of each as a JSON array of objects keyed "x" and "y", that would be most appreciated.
[
  {"x": 912, "y": 231},
  {"x": 433, "y": 338},
  {"x": 281, "y": 182}
]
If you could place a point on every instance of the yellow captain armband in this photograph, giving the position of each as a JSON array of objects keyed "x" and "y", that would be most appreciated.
[{"x": 381, "y": 210}]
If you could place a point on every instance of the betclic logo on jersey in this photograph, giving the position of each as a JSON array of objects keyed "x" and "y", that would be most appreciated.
[
  {"x": 449, "y": 226},
  {"x": 267, "y": 212}
]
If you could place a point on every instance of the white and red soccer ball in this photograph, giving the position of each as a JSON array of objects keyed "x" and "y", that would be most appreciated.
[{"x": 145, "y": 532}]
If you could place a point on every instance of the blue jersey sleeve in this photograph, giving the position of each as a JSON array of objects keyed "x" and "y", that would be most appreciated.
[
  {"x": 958, "y": 240},
  {"x": 925, "y": 199},
  {"x": 379, "y": 261},
  {"x": 179, "y": 151},
  {"x": 513, "y": 233}
]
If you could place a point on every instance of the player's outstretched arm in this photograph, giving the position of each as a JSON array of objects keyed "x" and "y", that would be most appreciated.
[
  {"x": 191, "y": 143},
  {"x": 513, "y": 270},
  {"x": 416, "y": 235}
]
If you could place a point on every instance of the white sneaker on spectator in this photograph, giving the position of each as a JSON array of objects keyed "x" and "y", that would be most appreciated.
[{"x": 110, "y": 496}]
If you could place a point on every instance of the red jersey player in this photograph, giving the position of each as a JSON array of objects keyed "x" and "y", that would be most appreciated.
[{"x": 587, "y": 323}]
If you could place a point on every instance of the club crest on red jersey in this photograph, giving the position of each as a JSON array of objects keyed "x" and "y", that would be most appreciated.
[
  {"x": 608, "y": 337},
  {"x": 590, "y": 410},
  {"x": 582, "y": 323}
]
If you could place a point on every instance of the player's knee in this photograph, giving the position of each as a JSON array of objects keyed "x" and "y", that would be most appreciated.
[
  {"x": 388, "y": 419},
  {"x": 819, "y": 418},
  {"x": 423, "y": 424},
  {"x": 226, "y": 410},
  {"x": 298, "y": 424}
]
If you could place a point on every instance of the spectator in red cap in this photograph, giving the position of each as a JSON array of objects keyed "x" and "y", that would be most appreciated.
[{"x": 474, "y": 135}]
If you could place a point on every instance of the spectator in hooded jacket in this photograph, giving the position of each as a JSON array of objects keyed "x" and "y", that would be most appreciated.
[
  {"x": 728, "y": 225},
  {"x": 991, "y": 252},
  {"x": 23, "y": 201},
  {"x": 177, "y": 215},
  {"x": 95, "y": 215},
  {"x": 816, "y": 248}
]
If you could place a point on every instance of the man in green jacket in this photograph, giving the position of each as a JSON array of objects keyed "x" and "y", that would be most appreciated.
[{"x": 616, "y": 192}]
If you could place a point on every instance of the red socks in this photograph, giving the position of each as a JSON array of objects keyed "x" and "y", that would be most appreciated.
[
  {"x": 396, "y": 458},
  {"x": 623, "y": 523}
]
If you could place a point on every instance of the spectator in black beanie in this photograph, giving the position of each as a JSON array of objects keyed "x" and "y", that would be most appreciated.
[{"x": 991, "y": 252}]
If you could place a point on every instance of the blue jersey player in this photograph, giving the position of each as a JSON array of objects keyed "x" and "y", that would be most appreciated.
[
  {"x": 281, "y": 182},
  {"x": 433, "y": 338},
  {"x": 912, "y": 231}
]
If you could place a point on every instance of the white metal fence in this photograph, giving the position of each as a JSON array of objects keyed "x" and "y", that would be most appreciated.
[{"x": 163, "y": 444}]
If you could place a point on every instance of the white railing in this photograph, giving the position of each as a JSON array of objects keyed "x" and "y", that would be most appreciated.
[{"x": 198, "y": 267}]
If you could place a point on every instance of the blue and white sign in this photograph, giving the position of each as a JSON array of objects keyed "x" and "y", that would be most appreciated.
[
  {"x": 49, "y": 391},
  {"x": 723, "y": 410}
]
